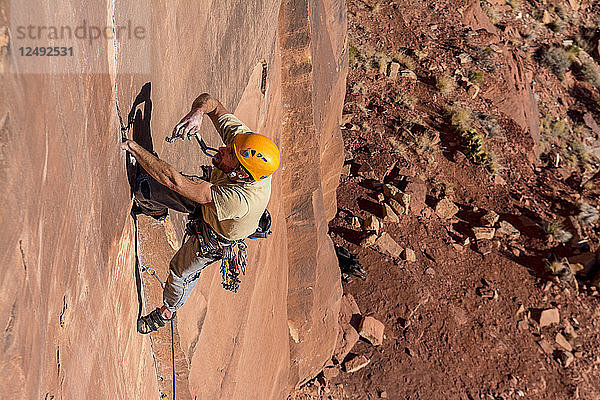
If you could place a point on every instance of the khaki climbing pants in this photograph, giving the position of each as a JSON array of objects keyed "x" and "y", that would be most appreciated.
[{"x": 185, "y": 269}]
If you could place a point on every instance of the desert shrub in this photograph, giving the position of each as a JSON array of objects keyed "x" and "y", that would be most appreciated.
[
  {"x": 375, "y": 8},
  {"x": 560, "y": 128},
  {"x": 428, "y": 142},
  {"x": 490, "y": 11},
  {"x": 590, "y": 74},
  {"x": 460, "y": 117},
  {"x": 476, "y": 76},
  {"x": 562, "y": 270},
  {"x": 588, "y": 214},
  {"x": 557, "y": 59},
  {"x": 445, "y": 84},
  {"x": 557, "y": 231},
  {"x": 404, "y": 59},
  {"x": 414, "y": 136},
  {"x": 556, "y": 26},
  {"x": 587, "y": 38},
  {"x": 354, "y": 54},
  {"x": 515, "y": 4}
]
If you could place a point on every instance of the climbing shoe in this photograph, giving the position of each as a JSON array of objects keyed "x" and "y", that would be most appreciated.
[{"x": 152, "y": 321}]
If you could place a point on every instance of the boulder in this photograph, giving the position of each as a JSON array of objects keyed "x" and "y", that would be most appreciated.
[
  {"x": 490, "y": 218},
  {"x": 563, "y": 342},
  {"x": 331, "y": 372},
  {"x": 372, "y": 330},
  {"x": 347, "y": 339},
  {"x": 546, "y": 346},
  {"x": 409, "y": 74},
  {"x": 409, "y": 255},
  {"x": 389, "y": 215},
  {"x": 506, "y": 229},
  {"x": 347, "y": 334},
  {"x": 369, "y": 240},
  {"x": 565, "y": 358},
  {"x": 400, "y": 208},
  {"x": 483, "y": 232},
  {"x": 390, "y": 191},
  {"x": 545, "y": 317},
  {"x": 372, "y": 224},
  {"x": 446, "y": 208},
  {"x": 417, "y": 190},
  {"x": 385, "y": 244}
]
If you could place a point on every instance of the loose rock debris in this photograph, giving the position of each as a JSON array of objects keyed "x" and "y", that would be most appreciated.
[{"x": 356, "y": 363}]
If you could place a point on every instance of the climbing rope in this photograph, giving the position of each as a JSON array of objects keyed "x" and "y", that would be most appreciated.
[{"x": 173, "y": 357}]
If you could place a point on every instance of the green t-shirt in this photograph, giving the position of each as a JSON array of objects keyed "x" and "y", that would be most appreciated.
[{"x": 236, "y": 207}]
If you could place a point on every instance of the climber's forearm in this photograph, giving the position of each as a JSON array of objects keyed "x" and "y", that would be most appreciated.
[
  {"x": 160, "y": 170},
  {"x": 195, "y": 190}
]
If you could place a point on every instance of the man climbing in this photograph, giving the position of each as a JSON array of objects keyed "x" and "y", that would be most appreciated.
[{"x": 225, "y": 206}]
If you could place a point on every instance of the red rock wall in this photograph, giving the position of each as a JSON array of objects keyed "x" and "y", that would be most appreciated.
[{"x": 68, "y": 299}]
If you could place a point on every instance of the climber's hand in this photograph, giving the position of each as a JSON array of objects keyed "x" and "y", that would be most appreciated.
[{"x": 189, "y": 124}]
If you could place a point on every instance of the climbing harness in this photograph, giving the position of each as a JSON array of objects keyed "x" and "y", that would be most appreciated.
[{"x": 233, "y": 254}]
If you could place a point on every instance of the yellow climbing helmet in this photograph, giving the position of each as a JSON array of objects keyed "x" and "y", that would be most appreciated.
[{"x": 257, "y": 154}]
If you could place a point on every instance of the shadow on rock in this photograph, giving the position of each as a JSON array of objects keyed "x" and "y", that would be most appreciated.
[{"x": 138, "y": 123}]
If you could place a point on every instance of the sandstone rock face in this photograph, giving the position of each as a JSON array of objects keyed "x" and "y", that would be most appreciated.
[{"x": 68, "y": 290}]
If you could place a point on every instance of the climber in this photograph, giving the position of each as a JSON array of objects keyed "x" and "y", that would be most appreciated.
[{"x": 225, "y": 204}]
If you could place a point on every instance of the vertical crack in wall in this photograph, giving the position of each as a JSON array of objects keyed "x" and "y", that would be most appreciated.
[{"x": 114, "y": 74}]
